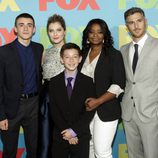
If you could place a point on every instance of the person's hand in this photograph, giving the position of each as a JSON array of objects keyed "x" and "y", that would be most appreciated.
[
  {"x": 91, "y": 104},
  {"x": 73, "y": 141},
  {"x": 4, "y": 124},
  {"x": 66, "y": 134}
]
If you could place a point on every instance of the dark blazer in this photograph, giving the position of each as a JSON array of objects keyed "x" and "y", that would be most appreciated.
[
  {"x": 11, "y": 78},
  {"x": 70, "y": 114},
  {"x": 109, "y": 70}
]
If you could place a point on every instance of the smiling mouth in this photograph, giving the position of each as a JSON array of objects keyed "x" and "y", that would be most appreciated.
[
  {"x": 71, "y": 65},
  {"x": 95, "y": 39}
]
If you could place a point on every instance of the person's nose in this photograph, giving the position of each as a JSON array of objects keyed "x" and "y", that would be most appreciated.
[
  {"x": 72, "y": 59},
  {"x": 95, "y": 34},
  {"x": 55, "y": 33},
  {"x": 136, "y": 25},
  {"x": 25, "y": 27}
]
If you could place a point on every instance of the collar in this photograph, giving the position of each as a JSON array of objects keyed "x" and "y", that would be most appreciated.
[
  {"x": 21, "y": 45},
  {"x": 73, "y": 75},
  {"x": 141, "y": 41}
]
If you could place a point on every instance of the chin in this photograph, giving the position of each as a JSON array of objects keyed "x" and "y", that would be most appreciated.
[
  {"x": 72, "y": 69},
  {"x": 57, "y": 41}
]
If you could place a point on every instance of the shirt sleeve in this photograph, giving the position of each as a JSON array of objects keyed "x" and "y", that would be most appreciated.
[
  {"x": 115, "y": 89},
  {"x": 72, "y": 132}
]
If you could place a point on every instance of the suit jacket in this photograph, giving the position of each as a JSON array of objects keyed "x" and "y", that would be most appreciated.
[
  {"x": 109, "y": 70},
  {"x": 141, "y": 87},
  {"x": 11, "y": 78},
  {"x": 70, "y": 113}
]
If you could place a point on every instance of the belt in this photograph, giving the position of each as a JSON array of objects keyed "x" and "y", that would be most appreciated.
[{"x": 27, "y": 96}]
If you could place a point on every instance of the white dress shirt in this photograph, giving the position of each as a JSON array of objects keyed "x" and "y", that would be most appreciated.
[{"x": 140, "y": 46}]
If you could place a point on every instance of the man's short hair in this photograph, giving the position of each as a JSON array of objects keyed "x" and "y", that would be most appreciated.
[
  {"x": 132, "y": 11},
  {"x": 24, "y": 15}
]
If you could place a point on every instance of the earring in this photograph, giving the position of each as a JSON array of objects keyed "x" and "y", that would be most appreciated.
[
  {"x": 88, "y": 41},
  {"x": 103, "y": 41}
]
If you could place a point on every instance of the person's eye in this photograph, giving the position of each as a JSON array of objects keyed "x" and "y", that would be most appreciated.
[{"x": 59, "y": 30}]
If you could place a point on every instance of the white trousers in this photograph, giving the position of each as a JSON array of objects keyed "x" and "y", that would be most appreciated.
[{"x": 102, "y": 137}]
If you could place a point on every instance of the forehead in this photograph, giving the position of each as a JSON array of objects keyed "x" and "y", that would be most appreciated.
[
  {"x": 134, "y": 17},
  {"x": 71, "y": 51},
  {"x": 55, "y": 25},
  {"x": 95, "y": 26},
  {"x": 24, "y": 20}
]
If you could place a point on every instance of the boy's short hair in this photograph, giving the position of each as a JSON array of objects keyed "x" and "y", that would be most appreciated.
[
  {"x": 24, "y": 15},
  {"x": 70, "y": 46}
]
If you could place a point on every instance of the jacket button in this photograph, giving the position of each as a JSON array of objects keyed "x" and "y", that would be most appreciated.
[
  {"x": 131, "y": 97},
  {"x": 134, "y": 83}
]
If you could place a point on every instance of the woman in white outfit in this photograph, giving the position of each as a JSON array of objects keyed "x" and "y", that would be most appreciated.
[{"x": 104, "y": 64}]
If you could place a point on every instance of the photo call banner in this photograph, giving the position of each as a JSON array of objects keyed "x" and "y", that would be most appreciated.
[{"x": 77, "y": 13}]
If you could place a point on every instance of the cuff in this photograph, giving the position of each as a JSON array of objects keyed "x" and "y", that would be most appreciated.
[
  {"x": 115, "y": 89},
  {"x": 73, "y": 134}
]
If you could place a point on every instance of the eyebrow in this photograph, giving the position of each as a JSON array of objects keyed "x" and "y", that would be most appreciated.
[{"x": 27, "y": 23}]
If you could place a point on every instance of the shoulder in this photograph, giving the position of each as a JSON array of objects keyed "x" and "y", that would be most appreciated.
[
  {"x": 7, "y": 48},
  {"x": 8, "y": 45},
  {"x": 82, "y": 76},
  {"x": 51, "y": 51},
  {"x": 124, "y": 48},
  {"x": 152, "y": 39},
  {"x": 114, "y": 53},
  {"x": 57, "y": 78},
  {"x": 37, "y": 45},
  {"x": 125, "y": 45}
]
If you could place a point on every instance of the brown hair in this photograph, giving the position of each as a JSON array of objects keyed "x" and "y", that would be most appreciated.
[
  {"x": 56, "y": 18},
  {"x": 70, "y": 46},
  {"x": 132, "y": 11}
]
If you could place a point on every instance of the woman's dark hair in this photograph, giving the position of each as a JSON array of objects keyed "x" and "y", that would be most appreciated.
[
  {"x": 108, "y": 40},
  {"x": 56, "y": 18}
]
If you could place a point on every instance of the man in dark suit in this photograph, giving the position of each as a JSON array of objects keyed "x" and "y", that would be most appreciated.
[
  {"x": 71, "y": 133},
  {"x": 20, "y": 82}
]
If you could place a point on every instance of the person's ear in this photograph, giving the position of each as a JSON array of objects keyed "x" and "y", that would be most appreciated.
[
  {"x": 34, "y": 30},
  {"x": 80, "y": 59},
  {"x": 61, "y": 60},
  {"x": 15, "y": 30}
]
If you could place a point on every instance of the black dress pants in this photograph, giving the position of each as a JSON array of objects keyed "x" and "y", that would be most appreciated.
[
  {"x": 62, "y": 149},
  {"x": 27, "y": 117}
]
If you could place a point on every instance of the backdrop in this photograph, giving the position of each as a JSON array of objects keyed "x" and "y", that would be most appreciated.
[{"x": 76, "y": 13}]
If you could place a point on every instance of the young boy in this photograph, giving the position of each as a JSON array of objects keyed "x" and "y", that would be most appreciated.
[{"x": 67, "y": 105}]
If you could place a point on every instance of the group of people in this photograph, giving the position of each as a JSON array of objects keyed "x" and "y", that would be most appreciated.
[{"x": 68, "y": 99}]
